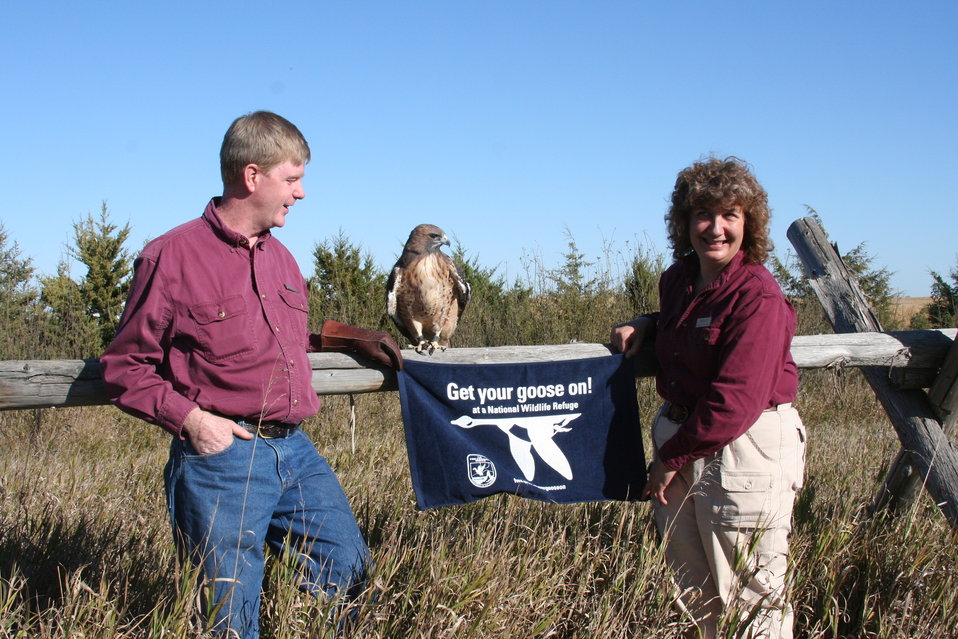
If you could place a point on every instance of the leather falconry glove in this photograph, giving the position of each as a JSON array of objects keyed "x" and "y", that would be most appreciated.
[{"x": 343, "y": 338}]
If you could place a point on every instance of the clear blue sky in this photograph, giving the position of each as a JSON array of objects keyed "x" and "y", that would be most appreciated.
[{"x": 506, "y": 123}]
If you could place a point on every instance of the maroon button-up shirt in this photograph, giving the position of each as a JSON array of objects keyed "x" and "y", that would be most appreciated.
[
  {"x": 724, "y": 354},
  {"x": 211, "y": 323}
]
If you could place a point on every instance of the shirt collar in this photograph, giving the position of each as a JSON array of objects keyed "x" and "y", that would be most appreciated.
[
  {"x": 691, "y": 262},
  {"x": 224, "y": 232}
]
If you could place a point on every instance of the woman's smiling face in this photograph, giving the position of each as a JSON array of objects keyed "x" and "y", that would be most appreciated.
[{"x": 716, "y": 233}]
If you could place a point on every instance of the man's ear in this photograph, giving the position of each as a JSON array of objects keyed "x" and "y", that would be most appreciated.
[{"x": 251, "y": 176}]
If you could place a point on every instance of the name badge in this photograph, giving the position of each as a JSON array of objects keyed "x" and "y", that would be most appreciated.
[{"x": 703, "y": 322}]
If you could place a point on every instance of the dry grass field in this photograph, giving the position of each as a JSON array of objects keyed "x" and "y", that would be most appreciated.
[
  {"x": 905, "y": 308},
  {"x": 86, "y": 550}
]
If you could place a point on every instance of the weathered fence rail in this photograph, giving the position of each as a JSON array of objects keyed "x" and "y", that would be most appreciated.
[{"x": 48, "y": 383}]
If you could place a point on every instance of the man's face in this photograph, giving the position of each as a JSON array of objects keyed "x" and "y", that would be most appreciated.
[{"x": 275, "y": 192}]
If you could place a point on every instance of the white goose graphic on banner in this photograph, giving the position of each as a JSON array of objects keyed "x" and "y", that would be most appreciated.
[{"x": 540, "y": 431}]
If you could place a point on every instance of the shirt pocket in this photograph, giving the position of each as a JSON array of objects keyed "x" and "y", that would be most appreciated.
[
  {"x": 700, "y": 352},
  {"x": 223, "y": 328},
  {"x": 297, "y": 309},
  {"x": 708, "y": 335}
]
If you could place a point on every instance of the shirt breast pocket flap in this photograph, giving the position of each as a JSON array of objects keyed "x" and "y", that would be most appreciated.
[
  {"x": 710, "y": 335},
  {"x": 222, "y": 310},
  {"x": 294, "y": 300},
  {"x": 223, "y": 328},
  {"x": 297, "y": 306}
]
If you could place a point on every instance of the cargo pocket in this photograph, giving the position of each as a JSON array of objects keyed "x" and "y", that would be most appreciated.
[
  {"x": 769, "y": 578},
  {"x": 745, "y": 500}
]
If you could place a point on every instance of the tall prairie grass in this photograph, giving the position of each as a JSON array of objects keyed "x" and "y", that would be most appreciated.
[{"x": 86, "y": 549}]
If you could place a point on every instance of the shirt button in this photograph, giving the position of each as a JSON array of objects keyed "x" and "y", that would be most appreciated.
[
  {"x": 221, "y": 314},
  {"x": 295, "y": 402},
  {"x": 263, "y": 295},
  {"x": 748, "y": 485},
  {"x": 276, "y": 328},
  {"x": 292, "y": 363}
]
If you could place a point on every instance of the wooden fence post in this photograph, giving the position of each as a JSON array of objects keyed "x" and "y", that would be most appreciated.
[
  {"x": 944, "y": 392},
  {"x": 925, "y": 446}
]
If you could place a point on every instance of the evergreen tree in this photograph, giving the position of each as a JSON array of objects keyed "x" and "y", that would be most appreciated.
[
  {"x": 484, "y": 282},
  {"x": 487, "y": 311},
  {"x": 571, "y": 279},
  {"x": 569, "y": 303},
  {"x": 875, "y": 284},
  {"x": 16, "y": 273},
  {"x": 580, "y": 302},
  {"x": 943, "y": 310},
  {"x": 97, "y": 299},
  {"x": 642, "y": 282},
  {"x": 346, "y": 285},
  {"x": 69, "y": 329},
  {"x": 791, "y": 277},
  {"x": 18, "y": 298},
  {"x": 99, "y": 246}
]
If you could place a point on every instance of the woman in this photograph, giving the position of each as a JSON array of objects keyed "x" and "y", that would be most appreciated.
[{"x": 729, "y": 447}]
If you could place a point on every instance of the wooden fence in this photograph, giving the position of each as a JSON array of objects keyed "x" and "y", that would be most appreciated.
[
  {"x": 51, "y": 383},
  {"x": 898, "y": 365}
]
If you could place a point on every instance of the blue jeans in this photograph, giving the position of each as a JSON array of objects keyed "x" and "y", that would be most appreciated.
[{"x": 279, "y": 493}]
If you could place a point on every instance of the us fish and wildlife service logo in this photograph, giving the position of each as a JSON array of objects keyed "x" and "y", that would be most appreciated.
[{"x": 482, "y": 472}]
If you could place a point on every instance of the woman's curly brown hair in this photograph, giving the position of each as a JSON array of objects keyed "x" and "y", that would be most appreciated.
[{"x": 724, "y": 182}]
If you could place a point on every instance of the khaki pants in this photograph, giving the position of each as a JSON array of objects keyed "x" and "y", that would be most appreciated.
[{"x": 727, "y": 522}]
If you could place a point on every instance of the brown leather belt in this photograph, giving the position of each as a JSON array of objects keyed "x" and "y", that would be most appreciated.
[{"x": 268, "y": 430}]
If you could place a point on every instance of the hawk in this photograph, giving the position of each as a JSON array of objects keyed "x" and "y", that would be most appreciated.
[{"x": 426, "y": 292}]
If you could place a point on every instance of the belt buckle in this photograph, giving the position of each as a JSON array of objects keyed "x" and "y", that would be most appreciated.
[
  {"x": 268, "y": 430},
  {"x": 275, "y": 431},
  {"x": 677, "y": 413}
]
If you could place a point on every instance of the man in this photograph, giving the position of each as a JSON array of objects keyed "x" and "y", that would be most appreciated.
[{"x": 213, "y": 347}]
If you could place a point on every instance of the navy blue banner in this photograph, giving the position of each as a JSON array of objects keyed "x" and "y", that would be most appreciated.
[{"x": 561, "y": 432}]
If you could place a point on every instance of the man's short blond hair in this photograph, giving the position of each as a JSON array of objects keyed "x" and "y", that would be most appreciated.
[{"x": 261, "y": 138}]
